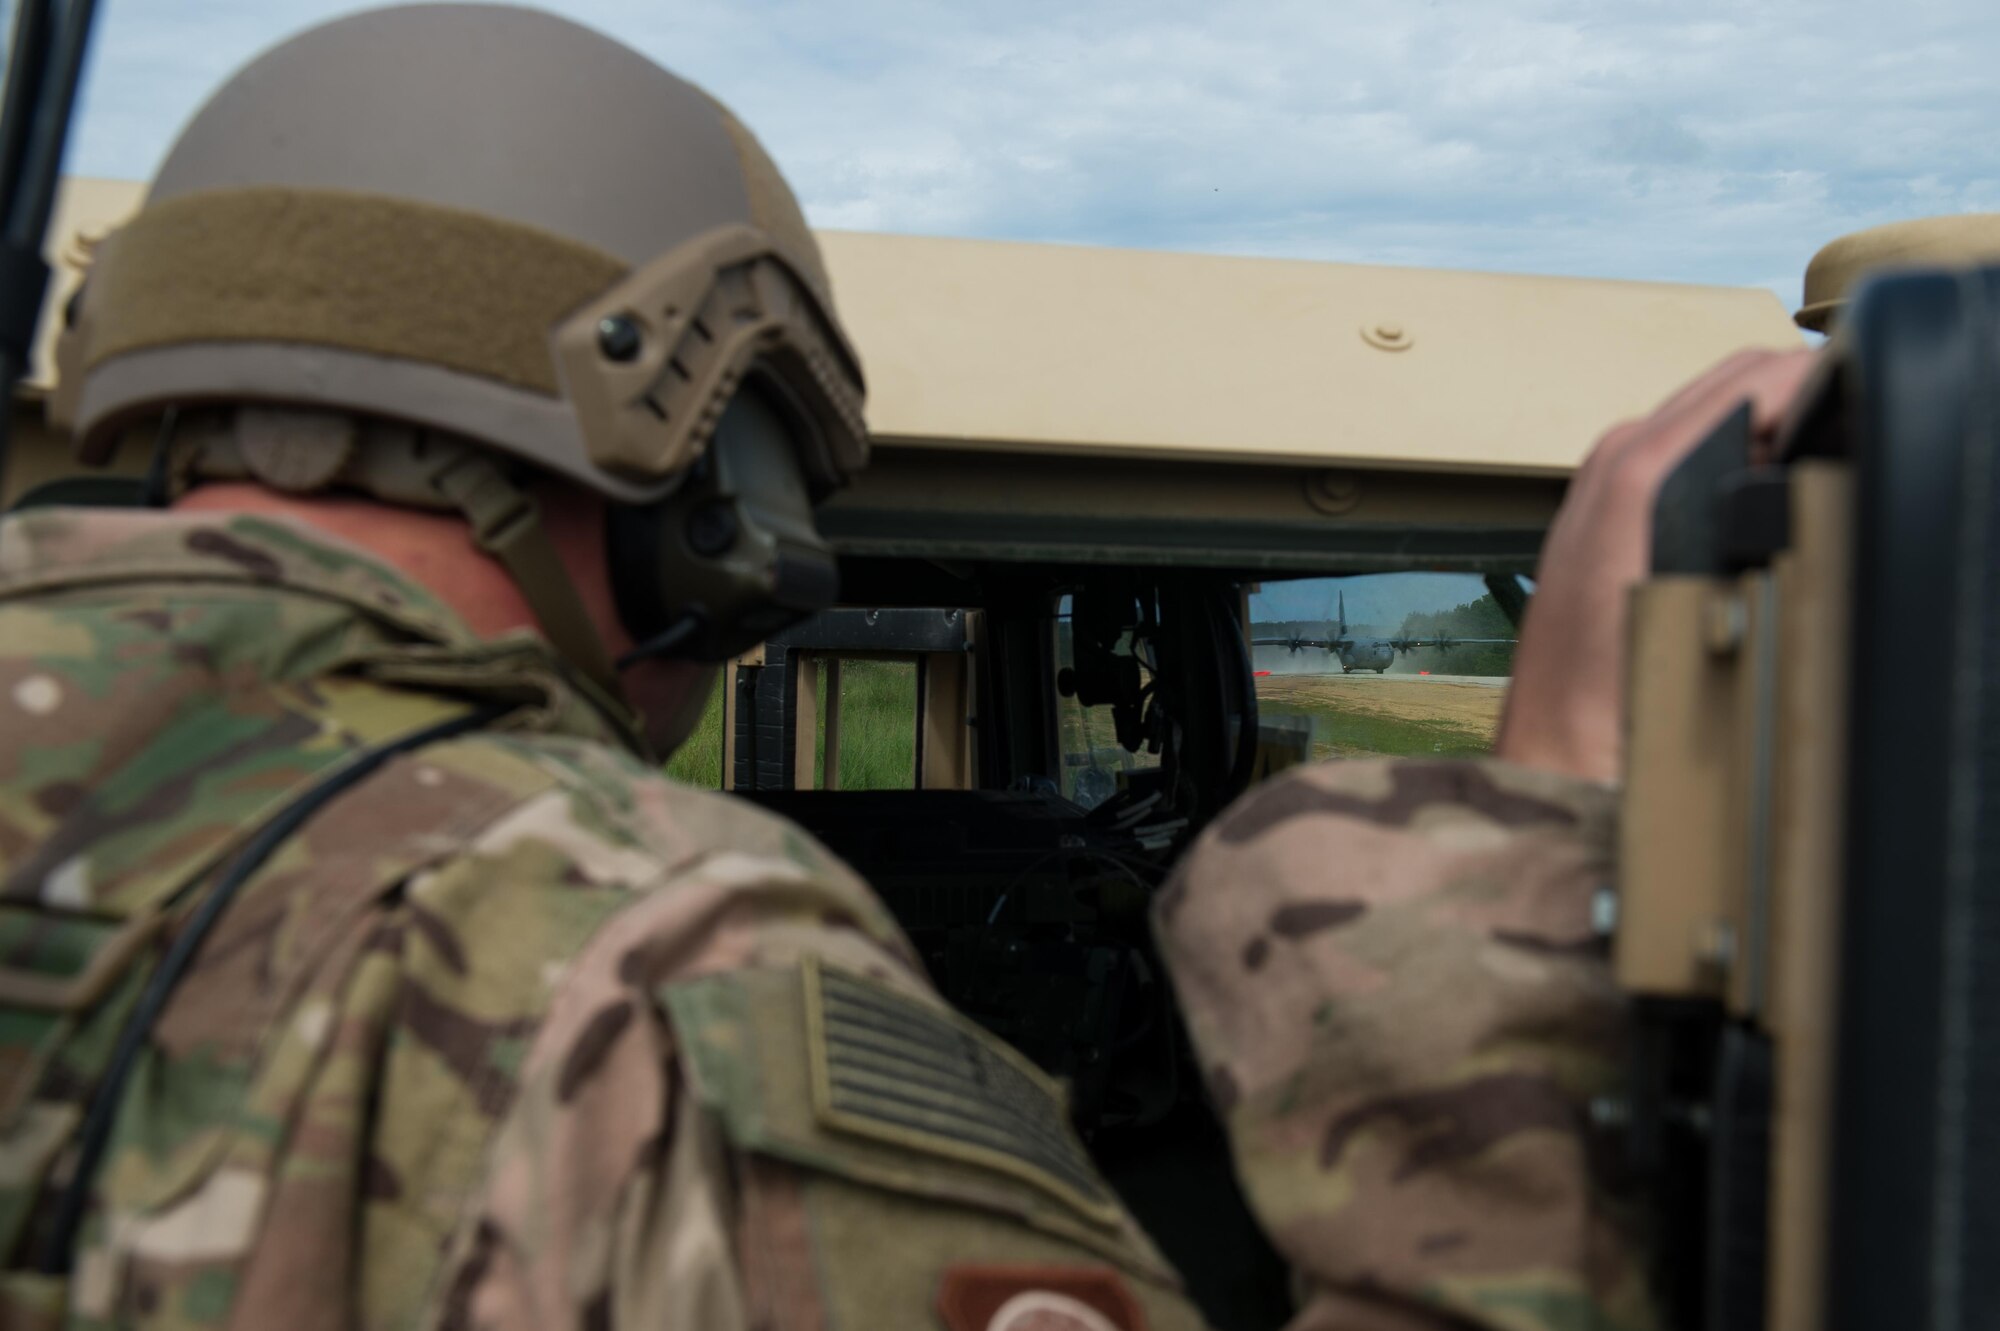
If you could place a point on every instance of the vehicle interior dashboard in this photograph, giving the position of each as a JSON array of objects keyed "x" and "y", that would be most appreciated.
[{"x": 1077, "y": 724}]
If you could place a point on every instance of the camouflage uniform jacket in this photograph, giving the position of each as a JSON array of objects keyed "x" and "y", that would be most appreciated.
[
  {"x": 1403, "y": 1010},
  {"x": 512, "y": 1033}
]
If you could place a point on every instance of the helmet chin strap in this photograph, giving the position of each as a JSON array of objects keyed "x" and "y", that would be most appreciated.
[{"x": 507, "y": 524}]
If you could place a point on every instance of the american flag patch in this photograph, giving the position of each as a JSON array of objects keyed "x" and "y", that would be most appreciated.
[{"x": 894, "y": 1069}]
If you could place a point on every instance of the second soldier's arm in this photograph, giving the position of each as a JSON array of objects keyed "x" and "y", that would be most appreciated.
[{"x": 1393, "y": 976}]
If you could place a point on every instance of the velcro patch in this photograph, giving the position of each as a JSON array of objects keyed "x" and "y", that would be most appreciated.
[
  {"x": 1037, "y": 1298},
  {"x": 888, "y": 1067}
]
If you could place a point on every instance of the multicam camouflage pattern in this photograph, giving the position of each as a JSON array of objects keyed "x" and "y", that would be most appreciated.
[
  {"x": 425, "y": 1072},
  {"x": 1403, "y": 1011}
]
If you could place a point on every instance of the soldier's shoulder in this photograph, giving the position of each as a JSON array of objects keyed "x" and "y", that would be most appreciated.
[
  {"x": 1414, "y": 794},
  {"x": 63, "y": 549},
  {"x": 616, "y": 819},
  {"x": 1410, "y": 829}
]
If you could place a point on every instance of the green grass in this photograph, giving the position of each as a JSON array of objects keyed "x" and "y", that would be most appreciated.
[
  {"x": 878, "y": 726},
  {"x": 1339, "y": 733},
  {"x": 699, "y": 761},
  {"x": 878, "y": 731}
]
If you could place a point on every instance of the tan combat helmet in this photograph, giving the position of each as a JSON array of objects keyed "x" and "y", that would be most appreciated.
[
  {"x": 494, "y": 226},
  {"x": 1955, "y": 241}
]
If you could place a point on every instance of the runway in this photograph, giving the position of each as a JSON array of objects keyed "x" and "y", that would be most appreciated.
[
  {"x": 1467, "y": 706},
  {"x": 1477, "y": 681}
]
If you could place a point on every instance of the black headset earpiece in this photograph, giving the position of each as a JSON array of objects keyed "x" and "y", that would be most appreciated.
[{"x": 733, "y": 555}]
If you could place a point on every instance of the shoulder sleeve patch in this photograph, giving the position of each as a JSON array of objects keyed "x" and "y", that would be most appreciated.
[
  {"x": 1037, "y": 1298},
  {"x": 834, "y": 1072},
  {"x": 889, "y": 1067}
]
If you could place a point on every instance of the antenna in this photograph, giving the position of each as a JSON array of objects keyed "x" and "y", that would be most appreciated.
[{"x": 43, "y": 70}]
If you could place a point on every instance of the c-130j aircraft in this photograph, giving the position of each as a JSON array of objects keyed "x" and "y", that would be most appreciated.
[{"x": 1376, "y": 654}]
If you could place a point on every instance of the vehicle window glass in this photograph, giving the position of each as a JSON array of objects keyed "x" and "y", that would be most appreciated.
[
  {"x": 1382, "y": 664},
  {"x": 1092, "y": 757}
]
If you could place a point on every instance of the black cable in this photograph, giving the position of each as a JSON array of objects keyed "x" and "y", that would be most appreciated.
[
  {"x": 1000, "y": 902},
  {"x": 663, "y": 642},
  {"x": 95, "y": 1134}
]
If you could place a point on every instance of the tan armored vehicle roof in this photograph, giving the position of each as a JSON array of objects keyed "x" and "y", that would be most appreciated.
[
  {"x": 87, "y": 209},
  {"x": 1048, "y": 348},
  {"x": 1060, "y": 348}
]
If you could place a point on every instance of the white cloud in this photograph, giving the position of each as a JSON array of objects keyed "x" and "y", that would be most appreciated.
[{"x": 1690, "y": 140}]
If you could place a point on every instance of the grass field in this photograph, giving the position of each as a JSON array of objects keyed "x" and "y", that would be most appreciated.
[
  {"x": 878, "y": 726},
  {"x": 1365, "y": 716},
  {"x": 1357, "y": 716},
  {"x": 878, "y": 731}
]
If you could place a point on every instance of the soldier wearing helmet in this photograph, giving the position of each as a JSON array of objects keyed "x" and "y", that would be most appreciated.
[
  {"x": 1957, "y": 239},
  {"x": 356, "y": 966}
]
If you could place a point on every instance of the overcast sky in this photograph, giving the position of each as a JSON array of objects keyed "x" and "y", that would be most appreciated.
[{"x": 1683, "y": 141}]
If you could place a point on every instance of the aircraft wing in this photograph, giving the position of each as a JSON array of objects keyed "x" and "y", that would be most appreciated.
[{"x": 1323, "y": 644}]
